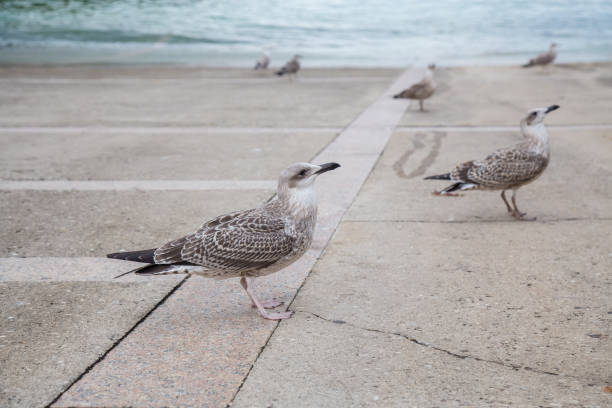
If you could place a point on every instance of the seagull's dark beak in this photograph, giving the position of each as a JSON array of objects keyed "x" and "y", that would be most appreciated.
[
  {"x": 552, "y": 108},
  {"x": 327, "y": 167}
]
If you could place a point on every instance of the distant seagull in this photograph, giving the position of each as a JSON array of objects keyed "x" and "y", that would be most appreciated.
[
  {"x": 262, "y": 62},
  {"x": 508, "y": 168},
  {"x": 245, "y": 244},
  {"x": 291, "y": 67},
  {"x": 421, "y": 90},
  {"x": 545, "y": 58}
]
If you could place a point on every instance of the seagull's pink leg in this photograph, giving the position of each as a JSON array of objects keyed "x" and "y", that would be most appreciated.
[
  {"x": 503, "y": 196},
  {"x": 267, "y": 304},
  {"x": 262, "y": 311}
]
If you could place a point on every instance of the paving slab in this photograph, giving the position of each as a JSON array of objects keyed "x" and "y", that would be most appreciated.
[
  {"x": 94, "y": 223},
  {"x": 276, "y": 102},
  {"x": 481, "y": 96},
  {"x": 156, "y": 156},
  {"x": 194, "y": 350},
  {"x": 536, "y": 295},
  {"x": 51, "y": 332},
  {"x": 574, "y": 186},
  {"x": 310, "y": 362}
]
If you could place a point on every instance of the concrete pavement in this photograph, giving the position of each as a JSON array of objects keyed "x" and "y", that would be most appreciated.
[
  {"x": 442, "y": 301},
  {"x": 417, "y": 301}
]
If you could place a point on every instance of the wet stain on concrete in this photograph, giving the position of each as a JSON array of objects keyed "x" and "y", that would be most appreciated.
[{"x": 418, "y": 143}]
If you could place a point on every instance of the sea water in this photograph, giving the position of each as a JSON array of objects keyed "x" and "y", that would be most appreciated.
[{"x": 325, "y": 32}]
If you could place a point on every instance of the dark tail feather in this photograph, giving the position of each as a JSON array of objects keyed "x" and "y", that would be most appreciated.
[
  {"x": 150, "y": 270},
  {"x": 445, "y": 176},
  {"x": 145, "y": 256},
  {"x": 452, "y": 187},
  {"x": 397, "y": 96},
  {"x": 527, "y": 65},
  {"x": 280, "y": 73},
  {"x": 133, "y": 271}
]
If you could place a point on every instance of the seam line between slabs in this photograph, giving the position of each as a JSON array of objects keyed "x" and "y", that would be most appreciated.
[
  {"x": 264, "y": 129},
  {"x": 116, "y": 343},
  {"x": 348, "y": 138},
  {"x": 133, "y": 185}
]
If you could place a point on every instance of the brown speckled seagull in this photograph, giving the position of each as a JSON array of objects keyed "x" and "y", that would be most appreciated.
[
  {"x": 545, "y": 58},
  {"x": 245, "y": 244},
  {"x": 291, "y": 67},
  {"x": 421, "y": 90},
  {"x": 507, "y": 168},
  {"x": 262, "y": 62}
]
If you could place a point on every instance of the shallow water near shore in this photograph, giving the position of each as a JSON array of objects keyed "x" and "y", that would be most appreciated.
[{"x": 327, "y": 33}]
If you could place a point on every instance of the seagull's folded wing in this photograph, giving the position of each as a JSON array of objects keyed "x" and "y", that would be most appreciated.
[
  {"x": 239, "y": 241},
  {"x": 507, "y": 168}
]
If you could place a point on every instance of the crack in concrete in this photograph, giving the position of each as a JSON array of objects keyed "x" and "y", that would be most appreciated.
[
  {"x": 331, "y": 236},
  {"x": 515, "y": 367},
  {"x": 118, "y": 341},
  {"x": 263, "y": 347}
]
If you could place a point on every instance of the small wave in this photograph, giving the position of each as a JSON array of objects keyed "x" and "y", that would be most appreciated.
[{"x": 112, "y": 36}]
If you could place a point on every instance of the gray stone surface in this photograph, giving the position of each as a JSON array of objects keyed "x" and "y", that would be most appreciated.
[
  {"x": 535, "y": 295},
  {"x": 524, "y": 306},
  {"x": 194, "y": 350},
  {"x": 481, "y": 96},
  {"x": 155, "y": 156},
  {"x": 48, "y": 223},
  {"x": 574, "y": 186},
  {"x": 197, "y": 101},
  {"x": 51, "y": 332},
  {"x": 310, "y": 362},
  {"x": 441, "y": 301}
]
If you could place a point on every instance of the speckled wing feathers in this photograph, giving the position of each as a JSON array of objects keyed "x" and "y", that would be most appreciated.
[
  {"x": 420, "y": 90},
  {"x": 240, "y": 241},
  {"x": 506, "y": 168}
]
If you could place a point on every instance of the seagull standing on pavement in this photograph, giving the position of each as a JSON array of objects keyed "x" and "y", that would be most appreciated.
[
  {"x": 421, "y": 90},
  {"x": 507, "y": 168},
  {"x": 262, "y": 62},
  {"x": 245, "y": 244},
  {"x": 291, "y": 67},
  {"x": 545, "y": 58}
]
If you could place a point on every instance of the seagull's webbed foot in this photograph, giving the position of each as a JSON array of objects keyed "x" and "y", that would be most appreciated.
[
  {"x": 261, "y": 306},
  {"x": 276, "y": 316},
  {"x": 515, "y": 212},
  {"x": 268, "y": 304},
  {"x": 521, "y": 216}
]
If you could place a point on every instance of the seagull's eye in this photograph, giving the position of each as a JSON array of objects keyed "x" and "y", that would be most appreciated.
[{"x": 302, "y": 173}]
